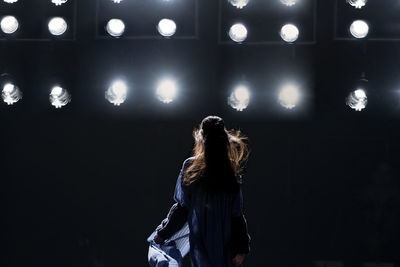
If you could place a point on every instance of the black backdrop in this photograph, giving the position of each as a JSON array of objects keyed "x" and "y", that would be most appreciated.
[{"x": 87, "y": 184}]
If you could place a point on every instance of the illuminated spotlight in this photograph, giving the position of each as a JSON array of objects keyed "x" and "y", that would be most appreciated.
[
  {"x": 59, "y": 2},
  {"x": 239, "y": 3},
  {"x": 115, "y": 27},
  {"x": 359, "y": 29},
  {"x": 10, "y": 1},
  {"x": 11, "y": 93},
  {"x": 9, "y": 24},
  {"x": 238, "y": 32},
  {"x": 357, "y": 3},
  {"x": 357, "y": 100},
  {"x": 57, "y": 26},
  {"x": 239, "y": 98},
  {"x": 289, "y": 2},
  {"x": 117, "y": 1},
  {"x": 166, "y": 27},
  {"x": 289, "y": 33},
  {"x": 166, "y": 91},
  {"x": 116, "y": 93},
  {"x": 289, "y": 96},
  {"x": 59, "y": 97}
]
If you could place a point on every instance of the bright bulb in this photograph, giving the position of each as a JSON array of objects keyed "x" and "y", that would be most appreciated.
[
  {"x": 166, "y": 27},
  {"x": 10, "y": 1},
  {"x": 357, "y": 3},
  {"x": 11, "y": 93},
  {"x": 289, "y": 2},
  {"x": 239, "y": 3},
  {"x": 289, "y": 33},
  {"x": 359, "y": 29},
  {"x": 289, "y": 96},
  {"x": 166, "y": 91},
  {"x": 357, "y": 100},
  {"x": 238, "y": 32},
  {"x": 59, "y": 97},
  {"x": 57, "y": 26},
  {"x": 116, "y": 93},
  {"x": 9, "y": 24},
  {"x": 115, "y": 27},
  {"x": 117, "y": 1},
  {"x": 239, "y": 98},
  {"x": 59, "y": 2}
]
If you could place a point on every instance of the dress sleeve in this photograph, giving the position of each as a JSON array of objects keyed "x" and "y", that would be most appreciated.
[
  {"x": 240, "y": 238},
  {"x": 237, "y": 207},
  {"x": 175, "y": 220},
  {"x": 181, "y": 192}
]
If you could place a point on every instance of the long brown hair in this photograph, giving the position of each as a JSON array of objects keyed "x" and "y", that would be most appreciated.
[{"x": 219, "y": 155}]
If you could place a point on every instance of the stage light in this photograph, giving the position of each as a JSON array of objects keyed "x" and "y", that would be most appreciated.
[
  {"x": 11, "y": 93},
  {"x": 289, "y": 2},
  {"x": 57, "y": 26},
  {"x": 289, "y": 96},
  {"x": 357, "y": 99},
  {"x": 117, "y": 1},
  {"x": 357, "y": 3},
  {"x": 10, "y": 1},
  {"x": 115, "y": 27},
  {"x": 116, "y": 93},
  {"x": 59, "y": 97},
  {"x": 59, "y": 2},
  {"x": 239, "y": 3},
  {"x": 238, "y": 32},
  {"x": 166, "y": 27},
  {"x": 359, "y": 29},
  {"x": 9, "y": 24},
  {"x": 239, "y": 98},
  {"x": 289, "y": 33},
  {"x": 166, "y": 91}
]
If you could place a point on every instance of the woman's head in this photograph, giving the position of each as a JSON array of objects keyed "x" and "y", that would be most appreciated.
[{"x": 218, "y": 153}]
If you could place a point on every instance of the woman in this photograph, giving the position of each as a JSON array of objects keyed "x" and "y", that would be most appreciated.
[{"x": 209, "y": 198}]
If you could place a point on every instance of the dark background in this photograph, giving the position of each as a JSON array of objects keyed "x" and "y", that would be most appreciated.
[{"x": 86, "y": 184}]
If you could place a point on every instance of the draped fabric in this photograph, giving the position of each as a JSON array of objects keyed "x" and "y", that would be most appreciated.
[
  {"x": 171, "y": 253},
  {"x": 207, "y": 232},
  {"x": 209, "y": 219}
]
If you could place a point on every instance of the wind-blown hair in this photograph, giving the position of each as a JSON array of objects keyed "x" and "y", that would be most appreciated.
[{"x": 219, "y": 156}]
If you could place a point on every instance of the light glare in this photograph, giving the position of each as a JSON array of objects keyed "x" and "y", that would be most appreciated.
[
  {"x": 59, "y": 2},
  {"x": 357, "y": 99},
  {"x": 239, "y": 98},
  {"x": 9, "y": 24},
  {"x": 11, "y": 93},
  {"x": 116, "y": 93},
  {"x": 289, "y": 33},
  {"x": 57, "y": 26},
  {"x": 59, "y": 97},
  {"x": 115, "y": 27},
  {"x": 289, "y": 2},
  {"x": 238, "y": 32},
  {"x": 289, "y": 96},
  {"x": 357, "y": 3},
  {"x": 166, "y": 27},
  {"x": 166, "y": 91},
  {"x": 10, "y": 1},
  {"x": 239, "y": 3},
  {"x": 359, "y": 29}
]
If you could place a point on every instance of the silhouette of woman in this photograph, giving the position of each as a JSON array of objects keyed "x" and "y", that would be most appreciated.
[{"x": 209, "y": 201}]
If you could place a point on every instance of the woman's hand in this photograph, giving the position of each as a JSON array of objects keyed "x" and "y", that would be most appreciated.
[
  {"x": 158, "y": 239},
  {"x": 238, "y": 259}
]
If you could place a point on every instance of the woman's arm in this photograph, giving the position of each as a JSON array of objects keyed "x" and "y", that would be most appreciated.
[
  {"x": 176, "y": 219},
  {"x": 240, "y": 239}
]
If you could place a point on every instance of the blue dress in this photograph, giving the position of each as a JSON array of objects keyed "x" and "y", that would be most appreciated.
[{"x": 209, "y": 221}]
